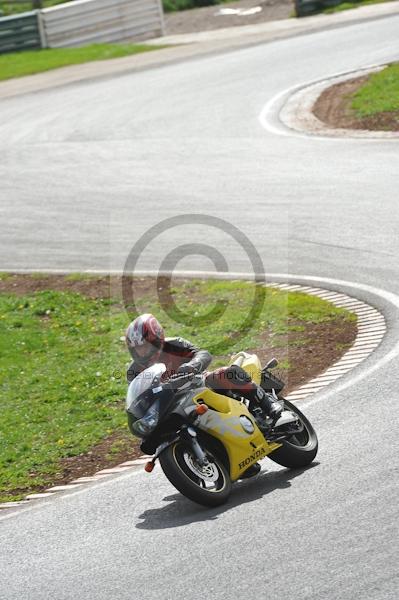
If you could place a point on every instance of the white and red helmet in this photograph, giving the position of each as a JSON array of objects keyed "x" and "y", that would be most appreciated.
[{"x": 145, "y": 338}]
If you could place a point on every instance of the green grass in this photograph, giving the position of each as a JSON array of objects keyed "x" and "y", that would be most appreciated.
[
  {"x": 62, "y": 365},
  {"x": 176, "y": 5},
  {"x": 379, "y": 94},
  {"x": 76, "y": 277},
  {"x": 119, "y": 446},
  {"x": 350, "y": 5},
  {"x": 197, "y": 297},
  {"x": 18, "y": 64},
  {"x": 11, "y": 8}
]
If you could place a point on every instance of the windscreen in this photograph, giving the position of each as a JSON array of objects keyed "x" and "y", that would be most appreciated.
[{"x": 137, "y": 400}]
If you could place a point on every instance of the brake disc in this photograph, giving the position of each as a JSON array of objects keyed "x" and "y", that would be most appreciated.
[{"x": 208, "y": 472}]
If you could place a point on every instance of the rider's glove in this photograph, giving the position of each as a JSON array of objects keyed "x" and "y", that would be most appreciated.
[{"x": 186, "y": 368}]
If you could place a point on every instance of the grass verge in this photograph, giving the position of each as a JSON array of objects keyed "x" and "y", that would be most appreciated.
[
  {"x": 379, "y": 95},
  {"x": 18, "y": 64},
  {"x": 350, "y": 5},
  {"x": 63, "y": 360},
  {"x": 12, "y": 8}
]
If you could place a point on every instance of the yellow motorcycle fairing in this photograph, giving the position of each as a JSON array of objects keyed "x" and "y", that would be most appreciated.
[
  {"x": 230, "y": 422},
  {"x": 250, "y": 363}
]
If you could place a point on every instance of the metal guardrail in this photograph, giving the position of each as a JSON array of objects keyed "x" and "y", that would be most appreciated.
[
  {"x": 82, "y": 22},
  {"x": 93, "y": 21},
  {"x": 20, "y": 32}
]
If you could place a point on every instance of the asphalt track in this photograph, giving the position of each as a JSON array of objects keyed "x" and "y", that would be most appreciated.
[{"x": 85, "y": 170}]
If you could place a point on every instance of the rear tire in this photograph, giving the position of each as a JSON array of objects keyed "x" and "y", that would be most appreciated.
[
  {"x": 300, "y": 450},
  {"x": 180, "y": 468}
]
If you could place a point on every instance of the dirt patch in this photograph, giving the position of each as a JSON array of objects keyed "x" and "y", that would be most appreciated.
[
  {"x": 308, "y": 351},
  {"x": 117, "y": 448},
  {"x": 210, "y": 17},
  {"x": 92, "y": 287},
  {"x": 333, "y": 107}
]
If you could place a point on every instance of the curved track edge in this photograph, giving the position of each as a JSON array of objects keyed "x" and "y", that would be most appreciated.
[{"x": 371, "y": 326}]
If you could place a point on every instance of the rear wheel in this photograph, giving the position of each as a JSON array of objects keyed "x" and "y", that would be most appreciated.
[
  {"x": 209, "y": 485},
  {"x": 298, "y": 450}
]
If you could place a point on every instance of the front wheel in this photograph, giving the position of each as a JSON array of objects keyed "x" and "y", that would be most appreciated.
[
  {"x": 209, "y": 485},
  {"x": 300, "y": 449}
]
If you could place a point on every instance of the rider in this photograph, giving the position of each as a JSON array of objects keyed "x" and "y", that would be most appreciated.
[{"x": 147, "y": 345}]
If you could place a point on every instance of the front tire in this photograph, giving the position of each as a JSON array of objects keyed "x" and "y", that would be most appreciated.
[
  {"x": 298, "y": 450},
  {"x": 208, "y": 486}
]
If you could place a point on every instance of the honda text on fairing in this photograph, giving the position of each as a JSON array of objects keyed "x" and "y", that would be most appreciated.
[{"x": 205, "y": 441}]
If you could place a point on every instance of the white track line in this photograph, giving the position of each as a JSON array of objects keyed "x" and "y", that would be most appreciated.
[
  {"x": 31, "y": 506},
  {"x": 370, "y": 333},
  {"x": 272, "y": 110}
]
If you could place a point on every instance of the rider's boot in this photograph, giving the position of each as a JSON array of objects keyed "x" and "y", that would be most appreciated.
[{"x": 272, "y": 408}]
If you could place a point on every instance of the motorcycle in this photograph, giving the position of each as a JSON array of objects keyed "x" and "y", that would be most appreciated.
[{"x": 205, "y": 441}]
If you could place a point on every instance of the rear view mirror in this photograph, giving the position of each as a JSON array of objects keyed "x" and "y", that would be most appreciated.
[{"x": 272, "y": 364}]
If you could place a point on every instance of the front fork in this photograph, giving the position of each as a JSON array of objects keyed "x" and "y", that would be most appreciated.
[{"x": 189, "y": 436}]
